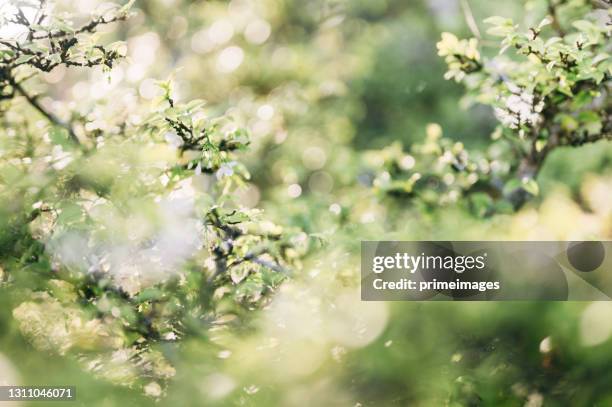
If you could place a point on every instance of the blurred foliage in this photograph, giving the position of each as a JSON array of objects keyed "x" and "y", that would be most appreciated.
[
  {"x": 131, "y": 243},
  {"x": 556, "y": 94},
  {"x": 121, "y": 235}
]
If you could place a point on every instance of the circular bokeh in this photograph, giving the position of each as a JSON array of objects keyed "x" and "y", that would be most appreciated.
[{"x": 586, "y": 256}]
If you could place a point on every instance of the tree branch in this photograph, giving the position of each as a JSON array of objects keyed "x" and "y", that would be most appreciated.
[{"x": 48, "y": 115}]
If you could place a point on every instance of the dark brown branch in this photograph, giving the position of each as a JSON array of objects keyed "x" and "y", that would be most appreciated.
[
  {"x": 48, "y": 115},
  {"x": 254, "y": 258}
]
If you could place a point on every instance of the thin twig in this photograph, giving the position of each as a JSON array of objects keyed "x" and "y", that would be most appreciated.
[
  {"x": 253, "y": 258},
  {"x": 40, "y": 14},
  {"x": 50, "y": 116}
]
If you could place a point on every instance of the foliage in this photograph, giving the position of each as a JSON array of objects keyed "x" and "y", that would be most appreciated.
[
  {"x": 125, "y": 231},
  {"x": 131, "y": 245},
  {"x": 554, "y": 91}
]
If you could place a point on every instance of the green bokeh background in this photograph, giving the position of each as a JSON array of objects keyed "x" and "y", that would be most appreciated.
[{"x": 346, "y": 77}]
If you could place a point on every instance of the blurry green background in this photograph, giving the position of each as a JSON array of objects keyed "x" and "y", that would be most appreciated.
[{"x": 316, "y": 83}]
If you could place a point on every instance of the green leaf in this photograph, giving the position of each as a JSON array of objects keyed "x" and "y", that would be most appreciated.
[
  {"x": 481, "y": 204},
  {"x": 497, "y": 20},
  {"x": 599, "y": 58},
  {"x": 70, "y": 213},
  {"x": 59, "y": 136},
  {"x": 568, "y": 123},
  {"x": 538, "y": 45},
  {"x": 499, "y": 31},
  {"x": 149, "y": 294},
  {"x": 501, "y": 26},
  {"x": 582, "y": 99},
  {"x": 23, "y": 59},
  {"x": 546, "y": 21},
  {"x": 552, "y": 41},
  {"x": 512, "y": 185},
  {"x": 584, "y": 25},
  {"x": 591, "y": 122},
  {"x": 530, "y": 185}
]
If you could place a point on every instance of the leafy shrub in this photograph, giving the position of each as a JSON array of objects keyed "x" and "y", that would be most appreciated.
[
  {"x": 120, "y": 233},
  {"x": 552, "y": 91}
]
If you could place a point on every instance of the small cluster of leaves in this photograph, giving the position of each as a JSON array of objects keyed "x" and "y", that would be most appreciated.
[
  {"x": 203, "y": 145},
  {"x": 554, "y": 91},
  {"x": 51, "y": 41},
  {"x": 440, "y": 172},
  {"x": 46, "y": 42}
]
